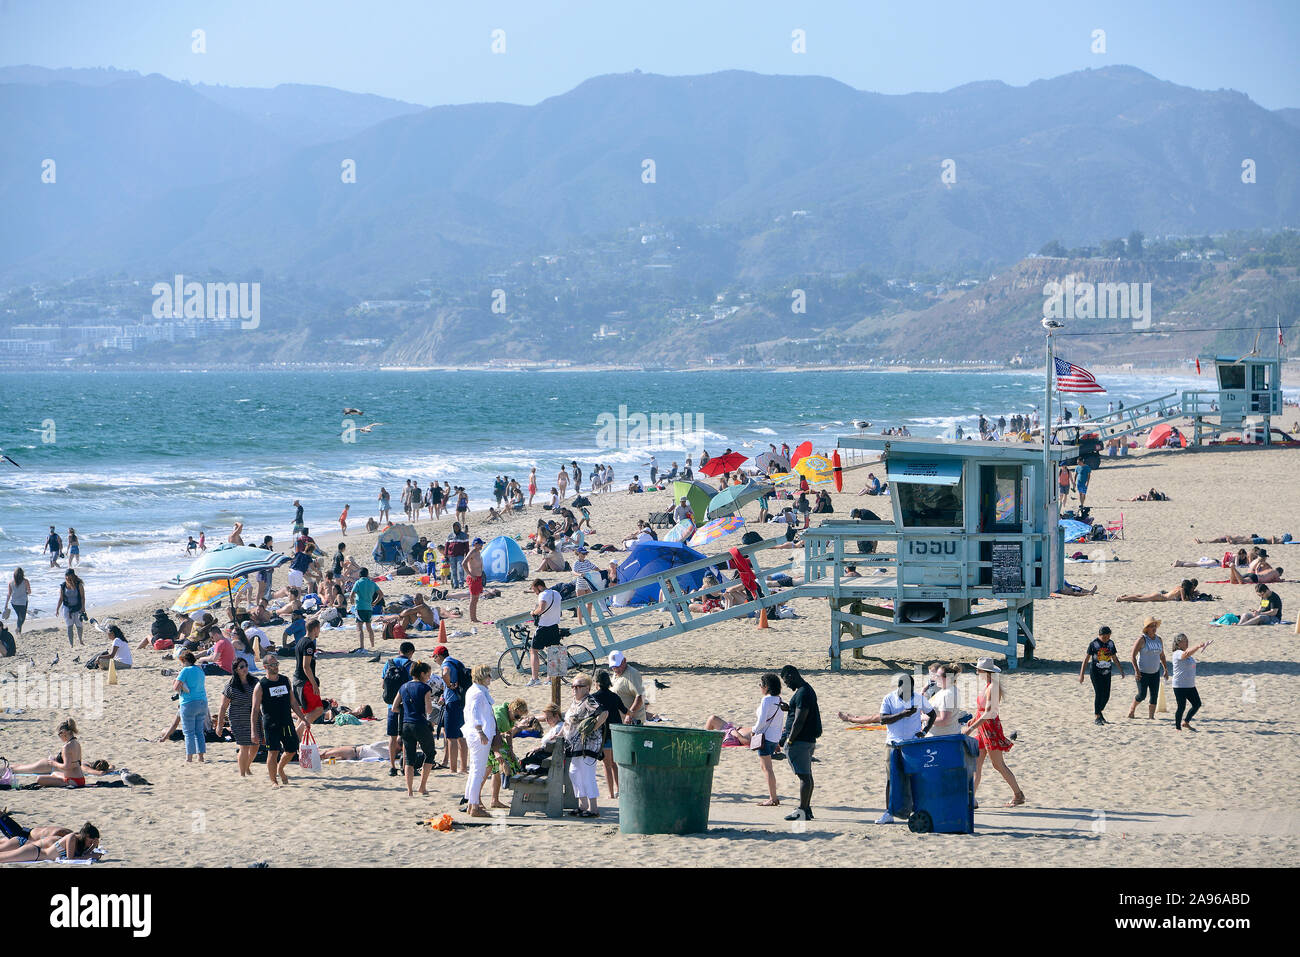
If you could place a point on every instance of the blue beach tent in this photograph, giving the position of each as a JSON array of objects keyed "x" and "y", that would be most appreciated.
[
  {"x": 504, "y": 561},
  {"x": 648, "y": 558}
]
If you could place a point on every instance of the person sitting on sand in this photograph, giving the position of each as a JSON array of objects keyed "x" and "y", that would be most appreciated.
[
  {"x": 1186, "y": 591},
  {"x": 63, "y": 769},
  {"x": 1270, "y": 608},
  {"x": 50, "y": 843},
  {"x": 554, "y": 560},
  {"x": 118, "y": 652},
  {"x": 1251, "y": 539}
]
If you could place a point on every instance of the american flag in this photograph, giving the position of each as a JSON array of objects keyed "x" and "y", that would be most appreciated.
[{"x": 1073, "y": 378}]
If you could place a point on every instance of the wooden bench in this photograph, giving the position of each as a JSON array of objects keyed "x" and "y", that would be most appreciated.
[{"x": 546, "y": 790}]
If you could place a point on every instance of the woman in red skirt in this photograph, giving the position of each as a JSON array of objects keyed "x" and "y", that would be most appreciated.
[{"x": 987, "y": 728}]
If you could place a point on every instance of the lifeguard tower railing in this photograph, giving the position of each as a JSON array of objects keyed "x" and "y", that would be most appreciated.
[
  {"x": 1135, "y": 418},
  {"x": 610, "y": 628},
  {"x": 999, "y": 627}
]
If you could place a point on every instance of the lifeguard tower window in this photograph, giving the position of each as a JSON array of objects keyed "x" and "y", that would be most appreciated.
[
  {"x": 1232, "y": 377},
  {"x": 930, "y": 506},
  {"x": 1000, "y": 506}
]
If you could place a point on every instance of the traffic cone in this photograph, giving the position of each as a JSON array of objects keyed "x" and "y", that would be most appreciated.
[
  {"x": 762, "y": 618},
  {"x": 442, "y": 631},
  {"x": 112, "y": 671}
]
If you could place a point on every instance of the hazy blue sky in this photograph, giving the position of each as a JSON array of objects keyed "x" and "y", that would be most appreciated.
[{"x": 436, "y": 52}]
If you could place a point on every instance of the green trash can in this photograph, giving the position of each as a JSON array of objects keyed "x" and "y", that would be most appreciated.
[{"x": 665, "y": 778}]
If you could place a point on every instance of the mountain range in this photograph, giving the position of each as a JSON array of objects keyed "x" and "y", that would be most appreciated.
[{"x": 156, "y": 177}]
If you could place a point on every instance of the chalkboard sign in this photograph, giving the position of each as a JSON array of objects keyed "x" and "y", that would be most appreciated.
[{"x": 1008, "y": 577}]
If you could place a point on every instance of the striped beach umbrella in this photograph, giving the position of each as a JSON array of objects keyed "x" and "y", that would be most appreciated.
[
  {"x": 230, "y": 562},
  {"x": 207, "y": 594},
  {"x": 711, "y": 531}
]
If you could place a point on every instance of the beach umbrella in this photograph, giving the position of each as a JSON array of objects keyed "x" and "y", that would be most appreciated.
[
  {"x": 230, "y": 562},
  {"x": 207, "y": 594},
  {"x": 723, "y": 463},
  {"x": 804, "y": 448},
  {"x": 817, "y": 469},
  {"x": 715, "y": 529},
  {"x": 735, "y": 497},
  {"x": 679, "y": 532},
  {"x": 771, "y": 463},
  {"x": 697, "y": 496}
]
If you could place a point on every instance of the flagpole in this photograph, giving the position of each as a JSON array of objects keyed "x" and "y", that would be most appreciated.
[{"x": 1047, "y": 424}]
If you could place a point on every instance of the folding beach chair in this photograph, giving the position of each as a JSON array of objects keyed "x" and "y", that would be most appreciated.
[{"x": 1115, "y": 530}]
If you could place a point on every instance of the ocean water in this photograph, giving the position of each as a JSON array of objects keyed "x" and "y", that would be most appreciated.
[{"x": 137, "y": 462}]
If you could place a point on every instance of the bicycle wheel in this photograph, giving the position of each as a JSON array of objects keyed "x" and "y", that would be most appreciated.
[
  {"x": 581, "y": 660},
  {"x": 506, "y": 667}
]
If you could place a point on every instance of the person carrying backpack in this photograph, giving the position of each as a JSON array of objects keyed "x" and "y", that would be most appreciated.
[
  {"x": 397, "y": 672},
  {"x": 456, "y": 679}
]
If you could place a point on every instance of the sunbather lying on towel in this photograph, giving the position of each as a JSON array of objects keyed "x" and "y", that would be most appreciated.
[
  {"x": 48, "y": 843},
  {"x": 1251, "y": 539},
  {"x": 1186, "y": 591}
]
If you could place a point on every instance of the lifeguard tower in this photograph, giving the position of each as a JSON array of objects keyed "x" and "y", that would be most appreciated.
[
  {"x": 975, "y": 540},
  {"x": 1249, "y": 395}
]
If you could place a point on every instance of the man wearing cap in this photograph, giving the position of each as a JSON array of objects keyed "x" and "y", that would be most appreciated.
[
  {"x": 629, "y": 687},
  {"x": 474, "y": 577},
  {"x": 683, "y": 511},
  {"x": 547, "y": 618},
  {"x": 901, "y": 713}
]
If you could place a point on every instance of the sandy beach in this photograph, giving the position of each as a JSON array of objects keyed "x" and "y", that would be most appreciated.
[{"x": 1132, "y": 793}]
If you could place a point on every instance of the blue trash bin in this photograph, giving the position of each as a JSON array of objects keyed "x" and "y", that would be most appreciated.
[{"x": 940, "y": 774}]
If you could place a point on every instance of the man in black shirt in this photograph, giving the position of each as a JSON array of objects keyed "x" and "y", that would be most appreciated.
[
  {"x": 1270, "y": 608},
  {"x": 803, "y": 726},
  {"x": 274, "y": 705}
]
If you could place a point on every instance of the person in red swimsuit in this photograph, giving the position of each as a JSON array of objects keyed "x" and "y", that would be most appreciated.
[{"x": 987, "y": 728}]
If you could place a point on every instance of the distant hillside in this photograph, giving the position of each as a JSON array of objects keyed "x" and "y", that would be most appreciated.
[{"x": 803, "y": 176}]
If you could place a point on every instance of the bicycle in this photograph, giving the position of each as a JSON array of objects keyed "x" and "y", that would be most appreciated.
[{"x": 578, "y": 657}]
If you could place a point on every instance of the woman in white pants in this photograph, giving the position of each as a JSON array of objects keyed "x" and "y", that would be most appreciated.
[
  {"x": 584, "y": 742},
  {"x": 480, "y": 728}
]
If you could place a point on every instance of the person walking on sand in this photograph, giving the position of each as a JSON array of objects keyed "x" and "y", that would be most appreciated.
[
  {"x": 20, "y": 592},
  {"x": 1102, "y": 655},
  {"x": 298, "y": 523},
  {"x": 343, "y": 519},
  {"x": 474, "y": 577},
  {"x": 74, "y": 548},
  {"x": 416, "y": 706},
  {"x": 193, "y": 707},
  {"x": 803, "y": 726},
  {"x": 1184, "y": 667},
  {"x": 363, "y": 594},
  {"x": 237, "y": 706},
  {"x": 987, "y": 728},
  {"x": 273, "y": 710},
  {"x": 72, "y": 604},
  {"x": 480, "y": 730},
  {"x": 1149, "y": 666}
]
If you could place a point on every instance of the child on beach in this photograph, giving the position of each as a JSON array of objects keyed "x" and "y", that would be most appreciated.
[{"x": 343, "y": 519}]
